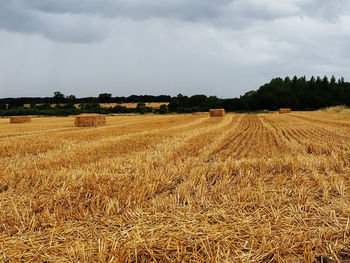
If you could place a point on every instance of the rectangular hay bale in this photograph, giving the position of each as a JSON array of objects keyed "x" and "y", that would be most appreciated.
[
  {"x": 217, "y": 112},
  {"x": 284, "y": 110},
  {"x": 20, "y": 119},
  {"x": 88, "y": 120}
]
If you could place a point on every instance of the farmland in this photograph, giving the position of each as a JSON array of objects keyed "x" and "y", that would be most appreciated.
[
  {"x": 172, "y": 188},
  {"x": 131, "y": 105}
]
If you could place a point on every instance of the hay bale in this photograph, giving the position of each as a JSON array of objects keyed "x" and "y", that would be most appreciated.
[
  {"x": 87, "y": 120},
  {"x": 20, "y": 119},
  {"x": 284, "y": 110},
  {"x": 217, "y": 112}
]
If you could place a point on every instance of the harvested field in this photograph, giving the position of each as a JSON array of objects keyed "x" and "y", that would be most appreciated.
[
  {"x": 131, "y": 105},
  {"x": 177, "y": 188},
  {"x": 155, "y": 105}
]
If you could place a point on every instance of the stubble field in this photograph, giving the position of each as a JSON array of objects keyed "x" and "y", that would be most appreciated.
[{"x": 177, "y": 188}]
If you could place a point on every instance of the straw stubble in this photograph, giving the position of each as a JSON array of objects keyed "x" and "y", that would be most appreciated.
[{"x": 178, "y": 188}]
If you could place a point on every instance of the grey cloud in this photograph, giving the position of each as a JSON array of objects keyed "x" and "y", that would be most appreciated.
[
  {"x": 135, "y": 9},
  {"x": 264, "y": 10},
  {"x": 189, "y": 10},
  {"x": 240, "y": 14},
  {"x": 83, "y": 21},
  {"x": 14, "y": 16},
  {"x": 325, "y": 9},
  {"x": 169, "y": 46}
]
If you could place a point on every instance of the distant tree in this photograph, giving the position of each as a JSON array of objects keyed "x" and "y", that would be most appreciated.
[
  {"x": 196, "y": 100},
  {"x": 71, "y": 98},
  {"x": 178, "y": 103},
  {"x": 70, "y": 102},
  {"x": 287, "y": 99},
  {"x": 16, "y": 103},
  {"x": 58, "y": 97},
  {"x": 232, "y": 104},
  {"x": 120, "y": 109},
  {"x": 333, "y": 80},
  {"x": 212, "y": 102},
  {"x": 119, "y": 99},
  {"x": 69, "y": 105},
  {"x": 325, "y": 80},
  {"x": 94, "y": 106},
  {"x": 104, "y": 98},
  {"x": 3, "y": 106},
  {"x": 267, "y": 100},
  {"x": 163, "y": 98},
  {"x": 163, "y": 109},
  {"x": 43, "y": 106},
  {"x": 141, "y": 107}
]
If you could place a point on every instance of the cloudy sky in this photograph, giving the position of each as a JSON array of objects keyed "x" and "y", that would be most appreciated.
[{"x": 124, "y": 47}]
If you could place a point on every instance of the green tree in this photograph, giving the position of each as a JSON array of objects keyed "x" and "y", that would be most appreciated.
[
  {"x": 105, "y": 98},
  {"x": 141, "y": 108},
  {"x": 3, "y": 106},
  {"x": 71, "y": 98},
  {"x": 16, "y": 103},
  {"x": 163, "y": 109},
  {"x": 58, "y": 97}
]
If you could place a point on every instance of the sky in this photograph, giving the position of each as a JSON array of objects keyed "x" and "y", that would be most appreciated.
[{"x": 123, "y": 47}]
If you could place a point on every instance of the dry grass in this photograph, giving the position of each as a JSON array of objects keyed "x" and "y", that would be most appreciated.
[
  {"x": 179, "y": 188},
  {"x": 337, "y": 109}
]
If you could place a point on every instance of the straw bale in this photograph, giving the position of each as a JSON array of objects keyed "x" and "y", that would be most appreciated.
[
  {"x": 20, "y": 119},
  {"x": 284, "y": 110},
  {"x": 87, "y": 120},
  {"x": 217, "y": 112}
]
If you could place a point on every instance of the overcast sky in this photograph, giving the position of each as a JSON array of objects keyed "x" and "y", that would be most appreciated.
[{"x": 125, "y": 47}]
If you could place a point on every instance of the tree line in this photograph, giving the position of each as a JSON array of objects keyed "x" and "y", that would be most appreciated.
[
  {"x": 59, "y": 97},
  {"x": 295, "y": 93}
]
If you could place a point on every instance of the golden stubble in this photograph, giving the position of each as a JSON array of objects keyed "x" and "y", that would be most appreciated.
[{"x": 177, "y": 188}]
